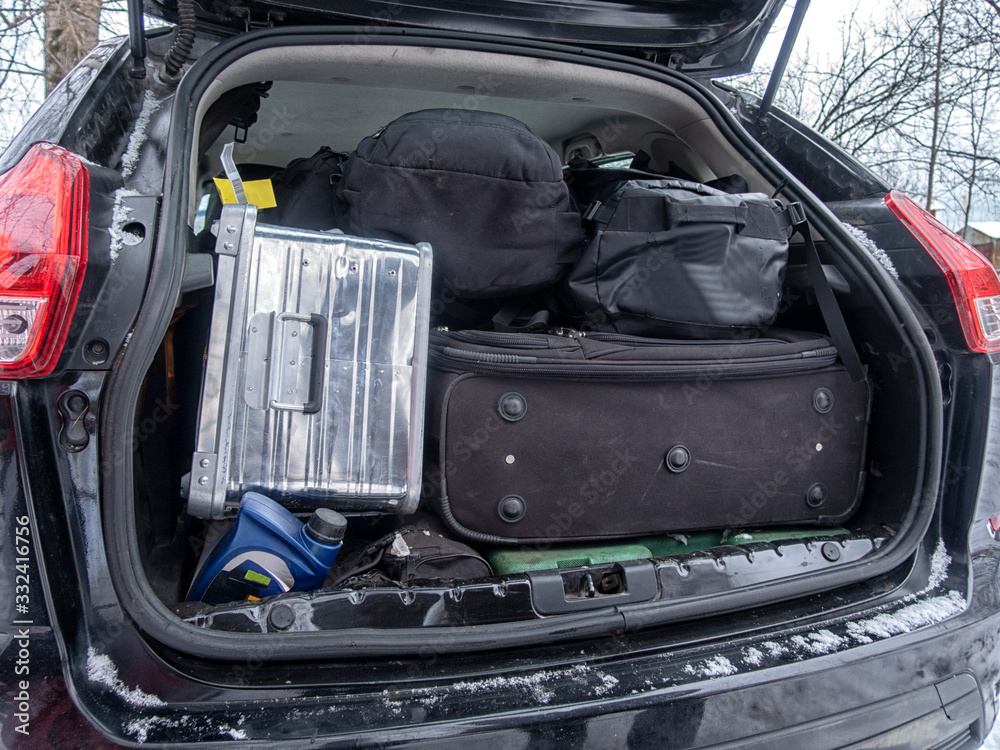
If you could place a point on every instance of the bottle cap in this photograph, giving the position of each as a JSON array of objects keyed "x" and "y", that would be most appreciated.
[{"x": 327, "y": 526}]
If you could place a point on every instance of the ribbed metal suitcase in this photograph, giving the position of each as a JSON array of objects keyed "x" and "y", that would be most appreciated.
[{"x": 313, "y": 391}]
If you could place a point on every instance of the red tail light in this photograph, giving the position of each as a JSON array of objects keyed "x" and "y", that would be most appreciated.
[
  {"x": 972, "y": 278},
  {"x": 43, "y": 255}
]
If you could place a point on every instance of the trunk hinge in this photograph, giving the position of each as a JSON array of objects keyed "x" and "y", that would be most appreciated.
[
  {"x": 251, "y": 23},
  {"x": 137, "y": 38},
  {"x": 783, "y": 56}
]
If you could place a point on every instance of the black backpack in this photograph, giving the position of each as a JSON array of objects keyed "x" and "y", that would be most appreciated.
[{"x": 480, "y": 187}]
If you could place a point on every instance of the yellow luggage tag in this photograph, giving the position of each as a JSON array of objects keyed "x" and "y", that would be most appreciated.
[
  {"x": 258, "y": 192},
  {"x": 233, "y": 190}
]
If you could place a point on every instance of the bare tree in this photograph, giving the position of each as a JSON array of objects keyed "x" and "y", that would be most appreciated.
[
  {"x": 41, "y": 41},
  {"x": 867, "y": 94},
  {"x": 914, "y": 96},
  {"x": 972, "y": 153},
  {"x": 21, "y": 67},
  {"x": 936, "y": 103},
  {"x": 71, "y": 31}
]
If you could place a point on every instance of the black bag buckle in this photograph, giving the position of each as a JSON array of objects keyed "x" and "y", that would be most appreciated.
[
  {"x": 796, "y": 214},
  {"x": 569, "y": 333},
  {"x": 592, "y": 211},
  {"x": 599, "y": 213}
]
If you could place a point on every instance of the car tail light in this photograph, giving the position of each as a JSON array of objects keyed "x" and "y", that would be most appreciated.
[
  {"x": 972, "y": 278},
  {"x": 43, "y": 255}
]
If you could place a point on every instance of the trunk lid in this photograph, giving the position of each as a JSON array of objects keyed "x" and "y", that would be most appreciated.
[{"x": 707, "y": 39}]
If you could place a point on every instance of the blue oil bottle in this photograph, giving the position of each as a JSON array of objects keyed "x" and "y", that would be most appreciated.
[{"x": 268, "y": 551}]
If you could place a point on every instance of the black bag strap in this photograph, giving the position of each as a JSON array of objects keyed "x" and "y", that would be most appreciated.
[
  {"x": 649, "y": 213},
  {"x": 503, "y": 321},
  {"x": 828, "y": 306}
]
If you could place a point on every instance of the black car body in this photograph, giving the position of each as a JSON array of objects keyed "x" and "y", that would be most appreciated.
[{"x": 886, "y": 637}]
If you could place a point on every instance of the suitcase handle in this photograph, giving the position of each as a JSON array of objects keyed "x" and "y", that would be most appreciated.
[
  {"x": 575, "y": 589},
  {"x": 285, "y": 354}
]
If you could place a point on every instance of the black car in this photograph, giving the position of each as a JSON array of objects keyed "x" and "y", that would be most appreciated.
[{"x": 882, "y": 632}]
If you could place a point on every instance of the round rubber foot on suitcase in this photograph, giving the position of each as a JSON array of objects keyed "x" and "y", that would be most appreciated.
[
  {"x": 512, "y": 406},
  {"x": 512, "y": 508},
  {"x": 822, "y": 400},
  {"x": 816, "y": 495},
  {"x": 678, "y": 458}
]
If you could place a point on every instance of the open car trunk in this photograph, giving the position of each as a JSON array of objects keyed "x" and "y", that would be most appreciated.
[{"x": 328, "y": 91}]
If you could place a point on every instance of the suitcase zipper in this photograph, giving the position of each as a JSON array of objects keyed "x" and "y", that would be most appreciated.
[
  {"x": 625, "y": 338},
  {"x": 494, "y": 363},
  {"x": 527, "y": 341},
  {"x": 498, "y": 338}
]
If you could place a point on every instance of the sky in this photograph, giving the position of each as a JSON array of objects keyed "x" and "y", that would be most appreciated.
[
  {"x": 821, "y": 27},
  {"x": 821, "y": 35}
]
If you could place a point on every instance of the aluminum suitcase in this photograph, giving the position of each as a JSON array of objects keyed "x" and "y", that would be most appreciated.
[{"x": 313, "y": 391}]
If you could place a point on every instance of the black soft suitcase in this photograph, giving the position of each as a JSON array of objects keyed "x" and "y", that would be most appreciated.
[{"x": 554, "y": 438}]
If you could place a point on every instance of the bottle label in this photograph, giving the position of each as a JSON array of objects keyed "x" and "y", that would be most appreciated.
[{"x": 249, "y": 577}]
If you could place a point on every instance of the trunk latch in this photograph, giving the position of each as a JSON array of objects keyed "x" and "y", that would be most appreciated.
[{"x": 592, "y": 587}]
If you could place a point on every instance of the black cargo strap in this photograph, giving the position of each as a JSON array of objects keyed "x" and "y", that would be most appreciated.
[
  {"x": 825, "y": 297},
  {"x": 653, "y": 213},
  {"x": 503, "y": 321}
]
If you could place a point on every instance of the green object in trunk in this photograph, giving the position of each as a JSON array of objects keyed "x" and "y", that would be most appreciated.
[
  {"x": 508, "y": 561},
  {"x": 780, "y": 535}
]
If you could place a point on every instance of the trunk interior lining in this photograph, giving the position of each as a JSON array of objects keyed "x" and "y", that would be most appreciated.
[
  {"x": 649, "y": 102},
  {"x": 556, "y": 99}
]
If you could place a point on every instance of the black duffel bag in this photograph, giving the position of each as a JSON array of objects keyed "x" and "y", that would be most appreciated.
[
  {"x": 480, "y": 187},
  {"x": 675, "y": 258},
  {"x": 304, "y": 192}
]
